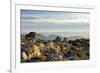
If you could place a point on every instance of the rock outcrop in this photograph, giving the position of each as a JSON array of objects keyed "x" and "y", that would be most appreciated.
[{"x": 33, "y": 49}]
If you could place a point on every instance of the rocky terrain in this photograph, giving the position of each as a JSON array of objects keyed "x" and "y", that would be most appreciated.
[{"x": 35, "y": 49}]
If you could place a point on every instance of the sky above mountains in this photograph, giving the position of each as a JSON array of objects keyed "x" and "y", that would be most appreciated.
[{"x": 55, "y": 23}]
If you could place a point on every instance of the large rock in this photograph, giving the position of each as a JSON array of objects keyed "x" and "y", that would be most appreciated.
[{"x": 32, "y": 36}]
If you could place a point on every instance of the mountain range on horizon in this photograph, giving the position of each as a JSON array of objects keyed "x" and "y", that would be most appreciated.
[{"x": 52, "y": 37}]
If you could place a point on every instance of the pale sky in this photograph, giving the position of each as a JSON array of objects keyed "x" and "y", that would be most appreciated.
[{"x": 55, "y": 23}]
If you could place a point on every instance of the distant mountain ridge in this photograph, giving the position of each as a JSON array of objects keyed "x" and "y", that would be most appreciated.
[
  {"x": 52, "y": 37},
  {"x": 74, "y": 37}
]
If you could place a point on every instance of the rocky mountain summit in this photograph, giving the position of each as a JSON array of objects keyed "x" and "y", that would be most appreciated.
[{"x": 35, "y": 49}]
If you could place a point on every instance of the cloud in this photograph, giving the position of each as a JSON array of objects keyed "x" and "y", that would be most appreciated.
[
  {"x": 56, "y": 21},
  {"x": 35, "y": 16},
  {"x": 64, "y": 23},
  {"x": 58, "y": 30}
]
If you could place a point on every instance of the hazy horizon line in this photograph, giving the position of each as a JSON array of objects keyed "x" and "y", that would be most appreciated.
[{"x": 56, "y": 35}]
